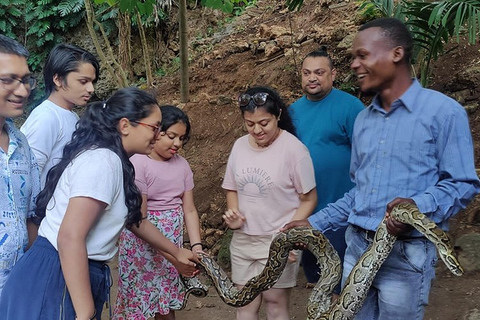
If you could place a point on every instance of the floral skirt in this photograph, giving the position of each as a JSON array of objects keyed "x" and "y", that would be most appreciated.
[{"x": 147, "y": 282}]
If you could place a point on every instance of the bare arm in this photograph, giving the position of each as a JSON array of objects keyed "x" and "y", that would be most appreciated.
[
  {"x": 308, "y": 202},
  {"x": 81, "y": 215},
  {"x": 233, "y": 217},
  {"x": 183, "y": 259},
  {"x": 192, "y": 222}
]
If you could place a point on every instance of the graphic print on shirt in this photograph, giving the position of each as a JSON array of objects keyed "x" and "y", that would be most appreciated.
[{"x": 254, "y": 183}]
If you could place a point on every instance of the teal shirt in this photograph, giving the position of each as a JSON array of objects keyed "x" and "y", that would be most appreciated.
[{"x": 326, "y": 128}]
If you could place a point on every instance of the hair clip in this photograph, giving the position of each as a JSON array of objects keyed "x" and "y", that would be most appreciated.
[{"x": 104, "y": 105}]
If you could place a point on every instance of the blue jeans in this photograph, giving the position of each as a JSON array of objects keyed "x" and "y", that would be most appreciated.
[{"x": 402, "y": 285}]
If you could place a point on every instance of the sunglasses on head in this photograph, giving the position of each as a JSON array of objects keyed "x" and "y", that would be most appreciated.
[{"x": 259, "y": 99}]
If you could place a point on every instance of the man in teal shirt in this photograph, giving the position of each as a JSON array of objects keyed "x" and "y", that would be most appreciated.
[{"x": 324, "y": 119}]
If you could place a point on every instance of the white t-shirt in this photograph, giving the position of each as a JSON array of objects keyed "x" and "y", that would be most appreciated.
[
  {"x": 48, "y": 129},
  {"x": 268, "y": 181},
  {"x": 95, "y": 174}
]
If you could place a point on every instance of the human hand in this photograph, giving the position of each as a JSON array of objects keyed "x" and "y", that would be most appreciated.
[
  {"x": 185, "y": 263},
  {"x": 295, "y": 223},
  {"x": 395, "y": 227},
  {"x": 293, "y": 255},
  {"x": 234, "y": 219}
]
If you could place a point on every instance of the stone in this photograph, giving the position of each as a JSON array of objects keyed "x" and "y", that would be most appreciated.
[
  {"x": 469, "y": 255},
  {"x": 271, "y": 48},
  {"x": 473, "y": 314},
  {"x": 346, "y": 42}
]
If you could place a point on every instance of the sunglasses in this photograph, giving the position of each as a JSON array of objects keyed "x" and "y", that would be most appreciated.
[
  {"x": 156, "y": 129},
  {"x": 259, "y": 99}
]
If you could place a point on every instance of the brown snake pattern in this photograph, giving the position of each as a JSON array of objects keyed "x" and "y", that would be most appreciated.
[{"x": 357, "y": 284}]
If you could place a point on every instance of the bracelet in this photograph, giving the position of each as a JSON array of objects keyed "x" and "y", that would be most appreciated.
[
  {"x": 92, "y": 317},
  {"x": 196, "y": 244}
]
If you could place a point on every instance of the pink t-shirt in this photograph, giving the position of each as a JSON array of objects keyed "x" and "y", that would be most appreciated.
[
  {"x": 268, "y": 181},
  {"x": 164, "y": 182}
]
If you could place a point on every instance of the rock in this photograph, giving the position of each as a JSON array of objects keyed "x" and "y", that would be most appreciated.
[
  {"x": 473, "y": 314},
  {"x": 271, "y": 48},
  {"x": 460, "y": 95},
  {"x": 469, "y": 255},
  {"x": 465, "y": 79},
  {"x": 470, "y": 108},
  {"x": 272, "y": 32},
  {"x": 284, "y": 41},
  {"x": 240, "y": 46},
  {"x": 346, "y": 42}
]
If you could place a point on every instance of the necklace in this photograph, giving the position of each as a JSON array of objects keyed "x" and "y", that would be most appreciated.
[{"x": 269, "y": 143}]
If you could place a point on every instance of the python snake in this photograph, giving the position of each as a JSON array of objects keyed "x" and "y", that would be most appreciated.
[{"x": 356, "y": 287}]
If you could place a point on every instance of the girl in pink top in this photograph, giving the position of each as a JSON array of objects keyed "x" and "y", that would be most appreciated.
[
  {"x": 149, "y": 284},
  {"x": 269, "y": 182}
]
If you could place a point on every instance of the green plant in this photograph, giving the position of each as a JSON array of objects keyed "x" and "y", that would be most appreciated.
[
  {"x": 236, "y": 7},
  {"x": 223, "y": 256},
  {"x": 11, "y": 12},
  {"x": 381, "y": 8}
]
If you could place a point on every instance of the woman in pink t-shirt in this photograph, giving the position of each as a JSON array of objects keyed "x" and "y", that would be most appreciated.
[
  {"x": 149, "y": 284},
  {"x": 269, "y": 182}
]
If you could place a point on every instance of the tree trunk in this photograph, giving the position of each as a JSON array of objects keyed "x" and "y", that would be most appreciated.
[
  {"x": 146, "y": 56},
  {"x": 124, "y": 47},
  {"x": 182, "y": 18},
  {"x": 91, "y": 30}
]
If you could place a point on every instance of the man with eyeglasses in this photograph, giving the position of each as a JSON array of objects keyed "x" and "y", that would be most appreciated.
[
  {"x": 19, "y": 176},
  {"x": 324, "y": 119}
]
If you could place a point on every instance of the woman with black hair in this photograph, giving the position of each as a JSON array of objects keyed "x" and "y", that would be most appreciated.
[
  {"x": 269, "y": 182},
  {"x": 89, "y": 196}
]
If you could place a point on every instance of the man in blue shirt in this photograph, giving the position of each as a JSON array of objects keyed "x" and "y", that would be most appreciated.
[
  {"x": 19, "y": 175},
  {"x": 324, "y": 119},
  {"x": 410, "y": 145}
]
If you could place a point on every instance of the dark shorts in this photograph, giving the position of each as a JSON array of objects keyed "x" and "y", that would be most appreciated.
[{"x": 36, "y": 288}]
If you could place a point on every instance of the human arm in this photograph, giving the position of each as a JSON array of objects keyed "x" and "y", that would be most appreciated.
[
  {"x": 80, "y": 216},
  {"x": 457, "y": 179},
  {"x": 32, "y": 230},
  {"x": 232, "y": 217},
  {"x": 192, "y": 222},
  {"x": 32, "y": 220},
  {"x": 308, "y": 202}
]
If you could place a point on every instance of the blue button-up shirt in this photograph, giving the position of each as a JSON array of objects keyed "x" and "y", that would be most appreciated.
[
  {"x": 19, "y": 186},
  {"x": 420, "y": 149}
]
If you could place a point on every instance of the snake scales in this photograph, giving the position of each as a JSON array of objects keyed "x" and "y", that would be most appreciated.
[{"x": 356, "y": 286}]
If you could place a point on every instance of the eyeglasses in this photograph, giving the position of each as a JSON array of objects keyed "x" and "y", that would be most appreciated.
[
  {"x": 11, "y": 84},
  {"x": 259, "y": 99},
  {"x": 156, "y": 129}
]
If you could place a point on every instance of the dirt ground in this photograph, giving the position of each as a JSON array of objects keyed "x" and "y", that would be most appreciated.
[{"x": 228, "y": 59}]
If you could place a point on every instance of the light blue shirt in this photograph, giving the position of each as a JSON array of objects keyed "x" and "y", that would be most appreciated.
[
  {"x": 421, "y": 149},
  {"x": 19, "y": 187}
]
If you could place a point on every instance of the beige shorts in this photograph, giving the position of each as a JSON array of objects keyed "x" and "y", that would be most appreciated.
[{"x": 249, "y": 255}]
